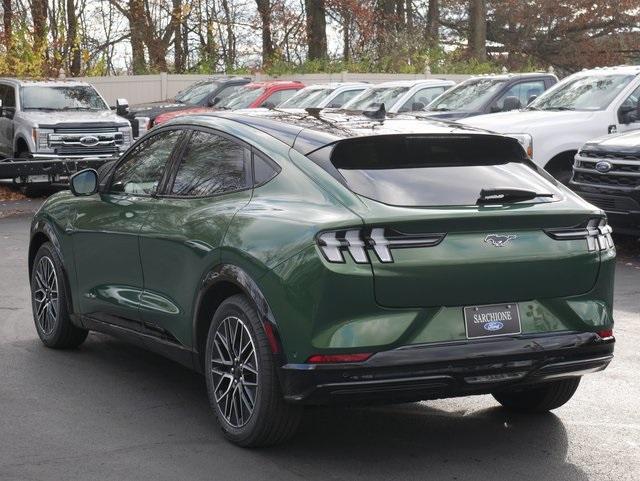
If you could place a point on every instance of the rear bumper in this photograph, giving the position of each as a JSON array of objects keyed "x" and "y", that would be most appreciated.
[{"x": 450, "y": 369}]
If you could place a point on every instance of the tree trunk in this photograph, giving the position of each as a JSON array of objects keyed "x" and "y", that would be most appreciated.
[
  {"x": 264, "y": 10},
  {"x": 230, "y": 59},
  {"x": 39, "y": 17},
  {"x": 316, "y": 29},
  {"x": 7, "y": 6},
  {"x": 178, "y": 51},
  {"x": 73, "y": 44},
  {"x": 478, "y": 29},
  {"x": 137, "y": 27},
  {"x": 346, "y": 34},
  {"x": 433, "y": 19}
]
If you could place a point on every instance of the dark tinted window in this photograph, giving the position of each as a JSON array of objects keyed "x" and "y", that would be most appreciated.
[
  {"x": 143, "y": 169},
  {"x": 210, "y": 165},
  {"x": 263, "y": 170},
  {"x": 8, "y": 96},
  {"x": 415, "y": 171}
]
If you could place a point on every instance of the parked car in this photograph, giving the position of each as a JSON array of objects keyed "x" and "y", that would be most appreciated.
[
  {"x": 606, "y": 172},
  {"x": 56, "y": 120},
  {"x": 581, "y": 107},
  {"x": 205, "y": 93},
  {"x": 298, "y": 259},
  {"x": 488, "y": 94},
  {"x": 399, "y": 96},
  {"x": 251, "y": 96},
  {"x": 330, "y": 95}
]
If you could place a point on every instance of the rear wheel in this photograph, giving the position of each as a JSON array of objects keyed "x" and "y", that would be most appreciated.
[
  {"x": 49, "y": 299},
  {"x": 541, "y": 398},
  {"x": 242, "y": 381}
]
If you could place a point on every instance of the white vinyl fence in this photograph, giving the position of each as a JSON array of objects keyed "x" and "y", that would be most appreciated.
[{"x": 149, "y": 88}]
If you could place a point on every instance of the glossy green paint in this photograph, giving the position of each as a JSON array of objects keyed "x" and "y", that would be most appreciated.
[{"x": 145, "y": 258}]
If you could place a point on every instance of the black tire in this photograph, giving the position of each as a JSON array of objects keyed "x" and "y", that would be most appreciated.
[
  {"x": 541, "y": 398},
  {"x": 271, "y": 420},
  {"x": 55, "y": 328}
]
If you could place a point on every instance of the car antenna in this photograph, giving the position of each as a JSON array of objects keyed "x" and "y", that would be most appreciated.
[{"x": 379, "y": 114}]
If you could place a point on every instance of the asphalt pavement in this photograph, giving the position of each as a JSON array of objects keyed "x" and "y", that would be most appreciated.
[{"x": 109, "y": 411}]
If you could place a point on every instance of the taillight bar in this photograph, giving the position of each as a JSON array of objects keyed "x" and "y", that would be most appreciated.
[
  {"x": 380, "y": 240},
  {"x": 338, "y": 358},
  {"x": 596, "y": 231}
]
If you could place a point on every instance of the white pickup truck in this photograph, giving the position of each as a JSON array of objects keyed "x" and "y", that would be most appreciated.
[{"x": 583, "y": 106}]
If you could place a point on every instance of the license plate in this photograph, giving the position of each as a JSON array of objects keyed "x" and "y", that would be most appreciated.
[{"x": 494, "y": 320}]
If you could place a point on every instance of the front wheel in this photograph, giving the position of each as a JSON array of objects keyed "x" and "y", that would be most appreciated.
[
  {"x": 541, "y": 398},
  {"x": 49, "y": 300},
  {"x": 242, "y": 381}
]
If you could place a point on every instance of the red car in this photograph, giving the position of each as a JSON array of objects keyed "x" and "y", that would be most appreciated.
[{"x": 253, "y": 95}]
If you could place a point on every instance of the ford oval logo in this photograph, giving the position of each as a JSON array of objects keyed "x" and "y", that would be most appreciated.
[
  {"x": 493, "y": 326},
  {"x": 89, "y": 140},
  {"x": 603, "y": 166}
]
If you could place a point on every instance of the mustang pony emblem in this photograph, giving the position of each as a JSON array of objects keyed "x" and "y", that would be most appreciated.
[{"x": 498, "y": 240}]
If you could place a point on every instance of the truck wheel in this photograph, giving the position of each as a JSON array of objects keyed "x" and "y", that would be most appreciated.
[
  {"x": 49, "y": 299},
  {"x": 539, "y": 399},
  {"x": 242, "y": 382}
]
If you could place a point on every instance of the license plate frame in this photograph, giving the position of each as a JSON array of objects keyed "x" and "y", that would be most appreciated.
[{"x": 495, "y": 320}]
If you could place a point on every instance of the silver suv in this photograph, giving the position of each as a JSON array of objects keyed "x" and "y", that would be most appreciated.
[{"x": 58, "y": 119}]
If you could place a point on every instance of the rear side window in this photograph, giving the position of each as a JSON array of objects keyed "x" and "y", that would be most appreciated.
[
  {"x": 421, "y": 171},
  {"x": 263, "y": 170},
  {"x": 212, "y": 165}
]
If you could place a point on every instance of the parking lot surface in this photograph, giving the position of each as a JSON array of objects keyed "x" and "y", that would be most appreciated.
[{"x": 109, "y": 411}]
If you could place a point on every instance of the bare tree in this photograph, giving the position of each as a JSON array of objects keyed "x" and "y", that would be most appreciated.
[
  {"x": 264, "y": 11},
  {"x": 478, "y": 29},
  {"x": 316, "y": 29}
]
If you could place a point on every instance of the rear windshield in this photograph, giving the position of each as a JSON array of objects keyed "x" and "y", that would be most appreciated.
[{"x": 422, "y": 171}]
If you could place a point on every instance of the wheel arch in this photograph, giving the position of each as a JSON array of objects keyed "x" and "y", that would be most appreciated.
[
  {"x": 560, "y": 160},
  {"x": 21, "y": 145},
  {"x": 220, "y": 283}
]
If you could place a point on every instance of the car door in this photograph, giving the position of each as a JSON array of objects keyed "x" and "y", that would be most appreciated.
[
  {"x": 106, "y": 228},
  {"x": 628, "y": 114},
  {"x": 8, "y": 97},
  {"x": 180, "y": 241}
]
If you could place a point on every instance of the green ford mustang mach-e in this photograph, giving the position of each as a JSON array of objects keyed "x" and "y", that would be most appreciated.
[{"x": 312, "y": 258}]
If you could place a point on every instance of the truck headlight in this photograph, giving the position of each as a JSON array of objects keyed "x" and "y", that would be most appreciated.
[
  {"x": 526, "y": 141},
  {"x": 127, "y": 137},
  {"x": 41, "y": 138}
]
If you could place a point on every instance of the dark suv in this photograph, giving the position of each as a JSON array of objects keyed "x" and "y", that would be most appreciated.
[
  {"x": 489, "y": 94},
  {"x": 606, "y": 172},
  {"x": 205, "y": 93}
]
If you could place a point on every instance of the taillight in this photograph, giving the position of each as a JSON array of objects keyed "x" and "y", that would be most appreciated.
[
  {"x": 596, "y": 231},
  {"x": 359, "y": 242},
  {"x": 336, "y": 358},
  {"x": 605, "y": 333}
]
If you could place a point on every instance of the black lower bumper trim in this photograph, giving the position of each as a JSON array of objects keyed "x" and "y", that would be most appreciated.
[{"x": 448, "y": 370}]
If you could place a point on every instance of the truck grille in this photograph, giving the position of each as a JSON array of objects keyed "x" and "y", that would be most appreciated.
[
  {"x": 624, "y": 172},
  {"x": 87, "y": 140}
]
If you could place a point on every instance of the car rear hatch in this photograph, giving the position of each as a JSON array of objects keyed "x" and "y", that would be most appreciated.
[{"x": 433, "y": 239}]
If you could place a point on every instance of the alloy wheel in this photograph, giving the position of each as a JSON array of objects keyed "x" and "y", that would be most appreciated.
[
  {"x": 234, "y": 367},
  {"x": 45, "y": 295}
]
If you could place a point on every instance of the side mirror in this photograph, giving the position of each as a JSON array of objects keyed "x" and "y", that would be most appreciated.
[
  {"x": 214, "y": 101},
  {"x": 531, "y": 99},
  {"x": 122, "y": 107},
  {"x": 629, "y": 113},
  {"x": 417, "y": 106},
  {"x": 511, "y": 103},
  {"x": 84, "y": 182}
]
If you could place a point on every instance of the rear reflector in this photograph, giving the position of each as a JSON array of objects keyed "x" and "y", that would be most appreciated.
[
  {"x": 605, "y": 333},
  {"x": 335, "y": 358}
]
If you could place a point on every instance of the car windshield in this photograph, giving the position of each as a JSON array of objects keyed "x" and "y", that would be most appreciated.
[
  {"x": 372, "y": 98},
  {"x": 242, "y": 99},
  {"x": 306, "y": 98},
  {"x": 468, "y": 96},
  {"x": 583, "y": 93},
  {"x": 77, "y": 97},
  {"x": 196, "y": 93}
]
